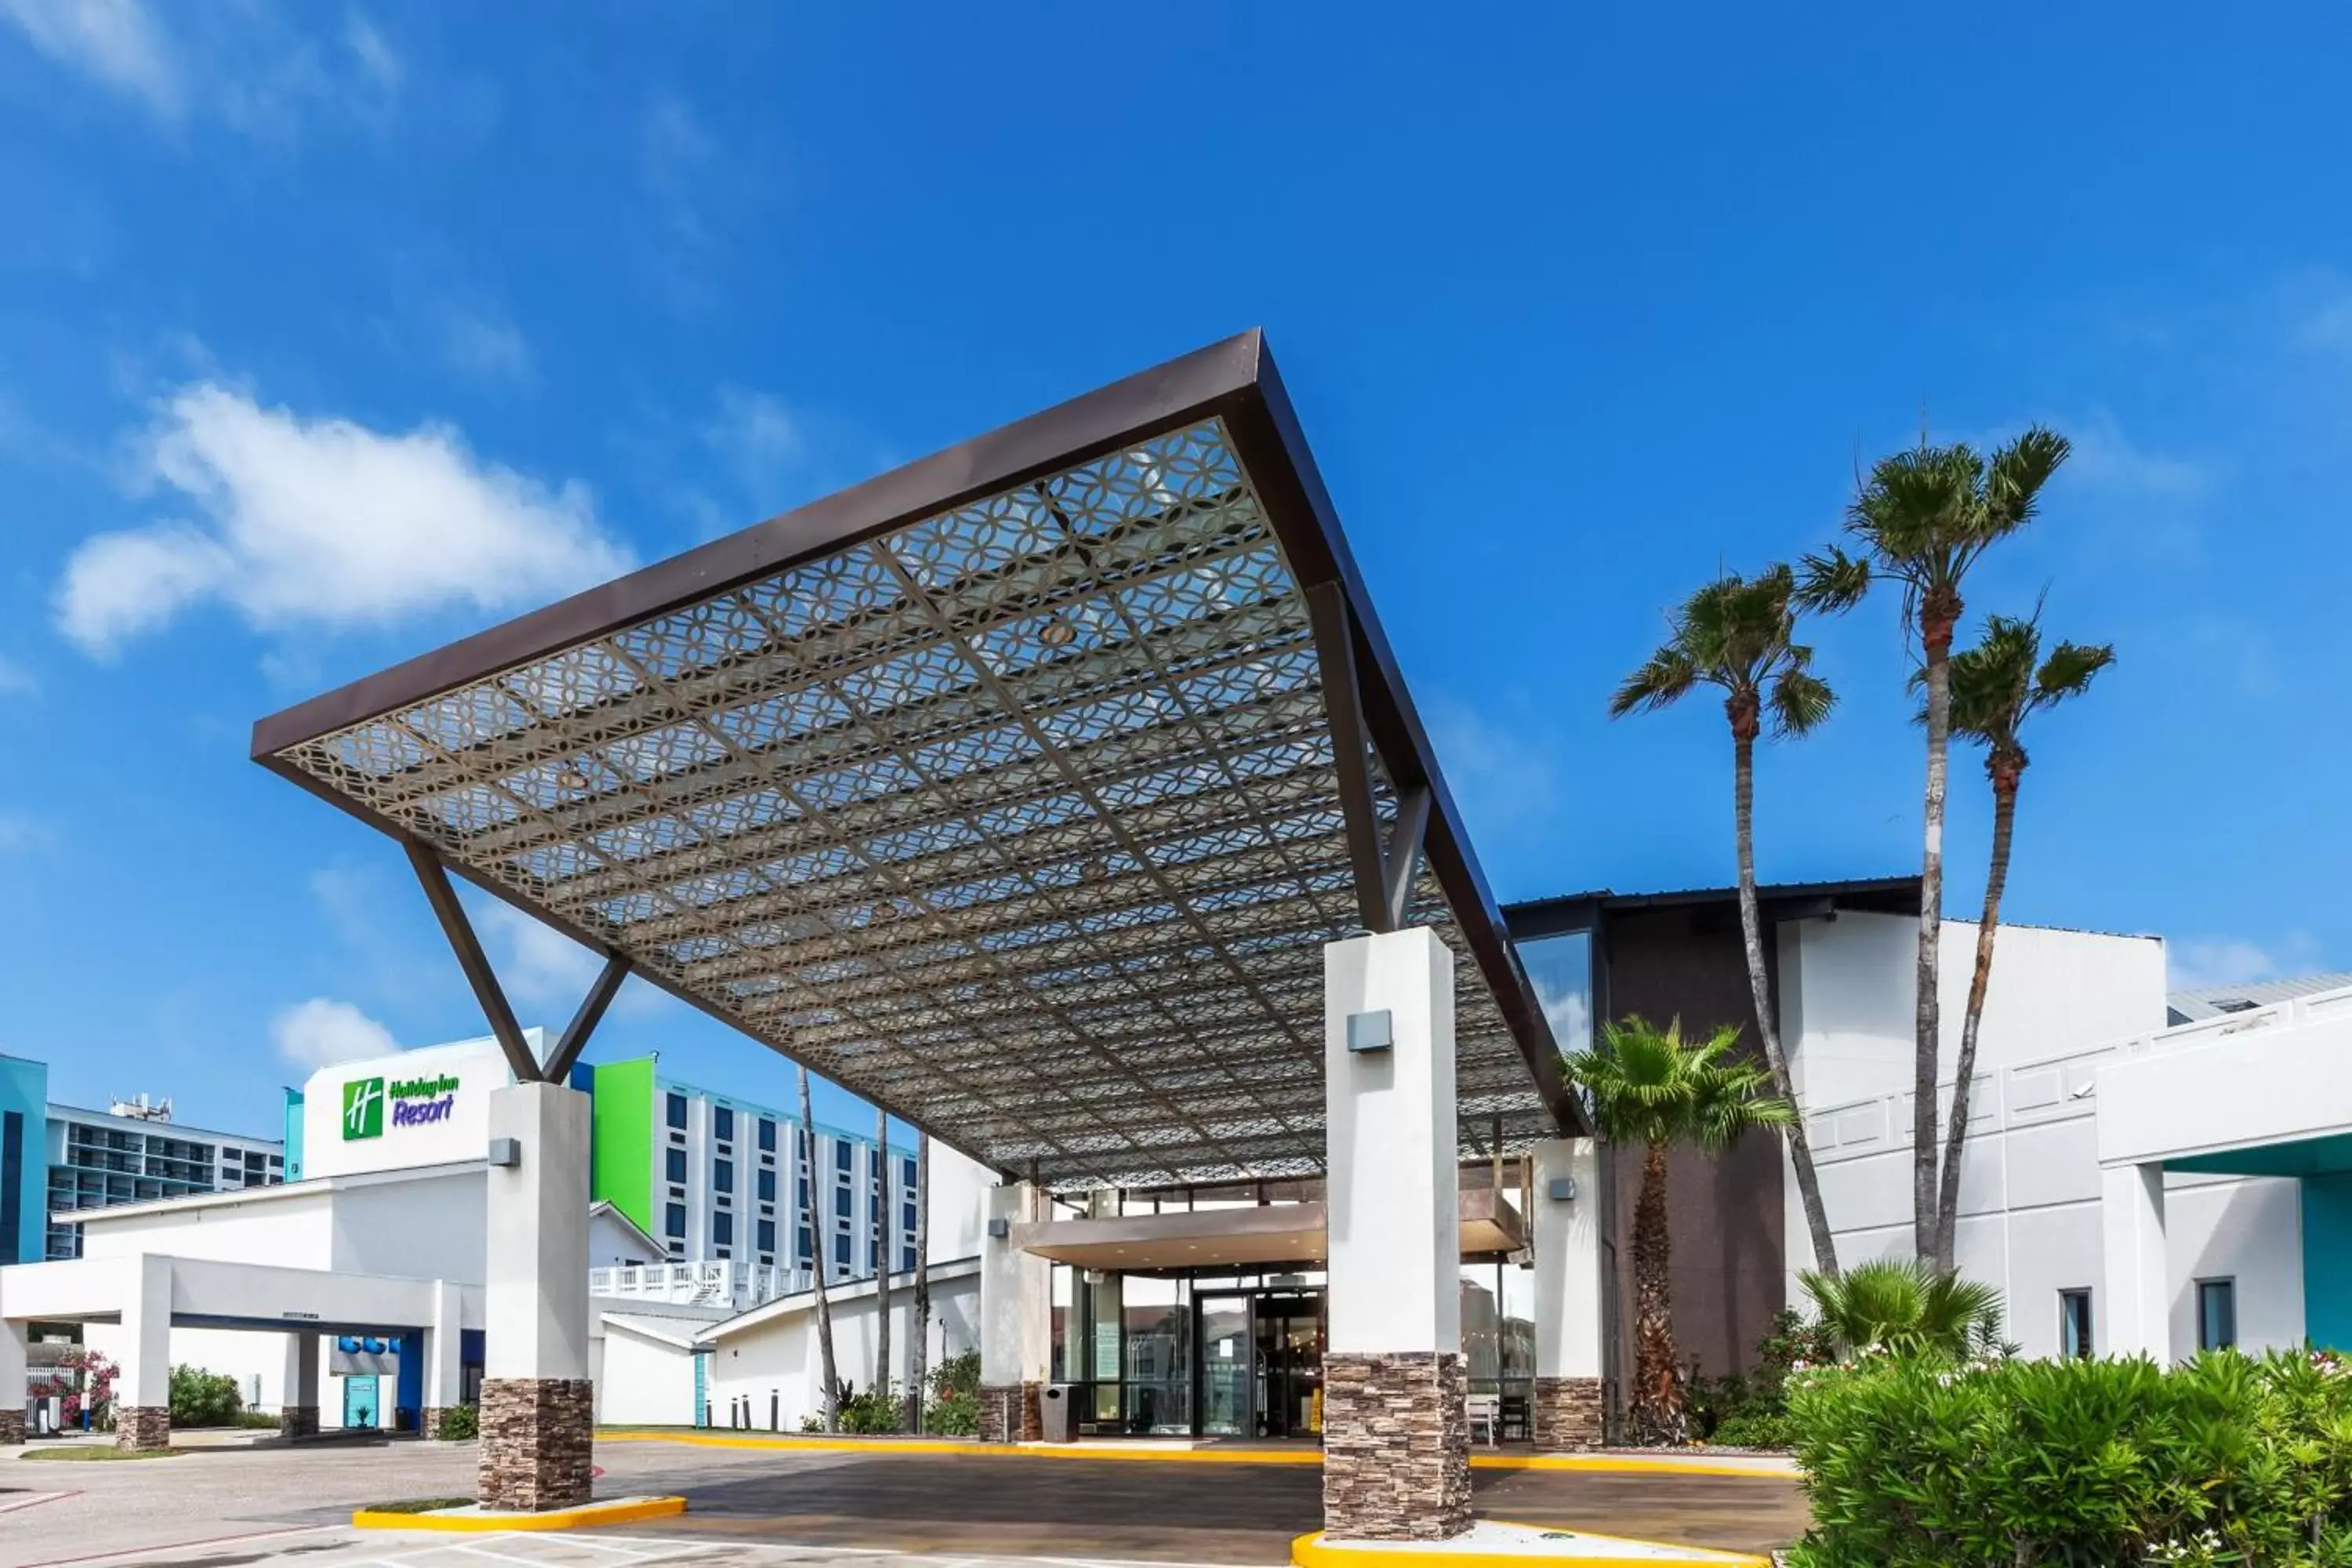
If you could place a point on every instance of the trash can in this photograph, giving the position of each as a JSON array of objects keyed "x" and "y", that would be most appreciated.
[{"x": 1058, "y": 1411}]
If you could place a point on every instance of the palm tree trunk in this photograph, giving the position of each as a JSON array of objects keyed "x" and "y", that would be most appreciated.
[
  {"x": 2006, "y": 776},
  {"x": 1656, "y": 1410},
  {"x": 882, "y": 1228},
  {"x": 1936, "y": 629},
  {"x": 831, "y": 1398},
  {"x": 1751, "y": 931},
  {"x": 918, "y": 1353}
]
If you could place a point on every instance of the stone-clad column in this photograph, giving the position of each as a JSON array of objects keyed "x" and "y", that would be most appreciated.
[
  {"x": 1396, "y": 1436},
  {"x": 1016, "y": 1324},
  {"x": 298, "y": 1401},
  {"x": 13, "y": 1388},
  {"x": 538, "y": 1422},
  {"x": 1565, "y": 1221},
  {"x": 143, "y": 1386}
]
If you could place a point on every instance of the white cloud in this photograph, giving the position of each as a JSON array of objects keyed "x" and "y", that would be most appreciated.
[
  {"x": 117, "y": 41},
  {"x": 488, "y": 347},
  {"x": 535, "y": 963},
  {"x": 323, "y": 522},
  {"x": 757, "y": 436},
  {"x": 253, "y": 66},
  {"x": 2199, "y": 964},
  {"x": 321, "y": 1032},
  {"x": 2109, "y": 459}
]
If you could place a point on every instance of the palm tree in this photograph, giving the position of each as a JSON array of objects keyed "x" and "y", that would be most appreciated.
[
  {"x": 1906, "y": 1306},
  {"x": 832, "y": 1398},
  {"x": 881, "y": 1254},
  {"x": 1652, "y": 1086},
  {"x": 1738, "y": 635},
  {"x": 1923, "y": 517},
  {"x": 918, "y": 1354},
  {"x": 1996, "y": 687}
]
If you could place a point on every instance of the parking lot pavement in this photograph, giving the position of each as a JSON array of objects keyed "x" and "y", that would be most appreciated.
[{"x": 261, "y": 1507}]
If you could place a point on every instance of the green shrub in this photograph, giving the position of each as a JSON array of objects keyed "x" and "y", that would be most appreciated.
[
  {"x": 954, "y": 1415},
  {"x": 874, "y": 1410},
  {"x": 460, "y": 1422},
  {"x": 2227, "y": 1461},
  {"x": 200, "y": 1398},
  {"x": 1753, "y": 1426},
  {"x": 1749, "y": 1410}
]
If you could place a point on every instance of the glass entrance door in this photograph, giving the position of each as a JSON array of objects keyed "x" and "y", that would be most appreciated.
[
  {"x": 1228, "y": 1362},
  {"x": 1289, "y": 1334}
]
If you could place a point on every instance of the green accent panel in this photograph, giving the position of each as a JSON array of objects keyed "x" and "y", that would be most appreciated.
[
  {"x": 621, "y": 1144},
  {"x": 2327, "y": 1260},
  {"x": 2331, "y": 1155}
]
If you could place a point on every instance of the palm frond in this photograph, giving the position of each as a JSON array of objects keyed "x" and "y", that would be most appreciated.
[
  {"x": 1649, "y": 1085},
  {"x": 1800, "y": 701},
  {"x": 2068, "y": 671},
  {"x": 1664, "y": 678},
  {"x": 1832, "y": 582}
]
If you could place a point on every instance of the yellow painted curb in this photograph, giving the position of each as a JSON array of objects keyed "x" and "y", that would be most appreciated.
[
  {"x": 1314, "y": 1552},
  {"x": 1632, "y": 1464},
  {"x": 1592, "y": 1464},
  {"x": 630, "y": 1511}
]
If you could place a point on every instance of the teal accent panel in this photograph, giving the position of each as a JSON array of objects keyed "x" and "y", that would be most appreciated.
[
  {"x": 2327, "y": 1260},
  {"x": 25, "y": 1161},
  {"x": 2327, "y": 1156},
  {"x": 293, "y": 1134}
]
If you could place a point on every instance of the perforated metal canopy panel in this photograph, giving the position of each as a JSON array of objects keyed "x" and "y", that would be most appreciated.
[{"x": 1002, "y": 790}]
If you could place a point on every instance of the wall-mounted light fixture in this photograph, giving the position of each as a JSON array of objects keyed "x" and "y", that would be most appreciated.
[
  {"x": 998, "y": 1229},
  {"x": 506, "y": 1152},
  {"x": 1561, "y": 1189},
  {"x": 1370, "y": 1031}
]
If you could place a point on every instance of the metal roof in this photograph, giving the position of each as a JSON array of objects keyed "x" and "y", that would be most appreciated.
[
  {"x": 1533, "y": 919},
  {"x": 1018, "y": 789},
  {"x": 2214, "y": 1001}
]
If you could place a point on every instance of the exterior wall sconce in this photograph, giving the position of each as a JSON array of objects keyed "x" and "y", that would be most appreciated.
[
  {"x": 506, "y": 1152},
  {"x": 1561, "y": 1189},
  {"x": 998, "y": 1229},
  {"x": 1370, "y": 1031}
]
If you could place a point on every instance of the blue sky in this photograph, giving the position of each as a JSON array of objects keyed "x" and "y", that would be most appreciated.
[{"x": 329, "y": 332}]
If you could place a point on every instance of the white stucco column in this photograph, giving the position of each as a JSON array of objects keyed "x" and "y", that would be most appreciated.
[
  {"x": 536, "y": 1415},
  {"x": 298, "y": 1393},
  {"x": 1395, "y": 1436},
  {"x": 2138, "y": 1306},
  {"x": 12, "y": 1380},
  {"x": 445, "y": 1375},
  {"x": 1016, "y": 1317},
  {"x": 1566, "y": 1226},
  {"x": 143, "y": 1386}
]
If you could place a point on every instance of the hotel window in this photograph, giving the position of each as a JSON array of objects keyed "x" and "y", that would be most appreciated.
[
  {"x": 722, "y": 1124},
  {"x": 2217, "y": 1314},
  {"x": 676, "y": 1165},
  {"x": 841, "y": 1203},
  {"x": 722, "y": 1175},
  {"x": 907, "y": 1259},
  {"x": 906, "y": 1175},
  {"x": 2074, "y": 1325},
  {"x": 767, "y": 1235},
  {"x": 674, "y": 1220},
  {"x": 841, "y": 1155},
  {"x": 801, "y": 1245},
  {"x": 677, "y": 1111},
  {"x": 723, "y": 1229},
  {"x": 841, "y": 1250},
  {"x": 767, "y": 1135},
  {"x": 907, "y": 1217},
  {"x": 767, "y": 1187}
]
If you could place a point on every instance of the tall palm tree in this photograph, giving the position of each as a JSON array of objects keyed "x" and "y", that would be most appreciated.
[
  {"x": 881, "y": 1253},
  {"x": 1739, "y": 636},
  {"x": 1996, "y": 687},
  {"x": 1907, "y": 1306},
  {"x": 1652, "y": 1086},
  {"x": 1922, "y": 519},
  {"x": 919, "y": 1354},
  {"x": 832, "y": 1395}
]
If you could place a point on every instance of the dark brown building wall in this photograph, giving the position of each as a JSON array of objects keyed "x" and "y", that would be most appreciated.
[{"x": 1724, "y": 1214}]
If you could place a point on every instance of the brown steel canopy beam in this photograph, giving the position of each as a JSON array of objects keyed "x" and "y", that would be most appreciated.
[
  {"x": 1343, "y": 706},
  {"x": 583, "y": 1023},
  {"x": 1404, "y": 853},
  {"x": 469, "y": 949}
]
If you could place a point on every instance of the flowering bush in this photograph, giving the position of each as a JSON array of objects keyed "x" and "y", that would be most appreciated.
[
  {"x": 94, "y": 1388},
  {"x": 2227, "y": 1461}
]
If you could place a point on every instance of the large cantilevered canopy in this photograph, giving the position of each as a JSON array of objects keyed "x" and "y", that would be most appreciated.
[{"x": 1017, "y": 790}]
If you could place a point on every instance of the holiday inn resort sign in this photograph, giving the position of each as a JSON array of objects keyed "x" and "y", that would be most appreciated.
[{"x": 415, "y": 1101}]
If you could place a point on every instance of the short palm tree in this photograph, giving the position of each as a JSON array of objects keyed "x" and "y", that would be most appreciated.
[
  {"x": 1922, "y": 519},
  {"x": 1651, "y": 1087},
  {"x": 1997, "y": 686},
  {"x": 1905, "y": 1306},
  {"x": 1738, "y": 635}
]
